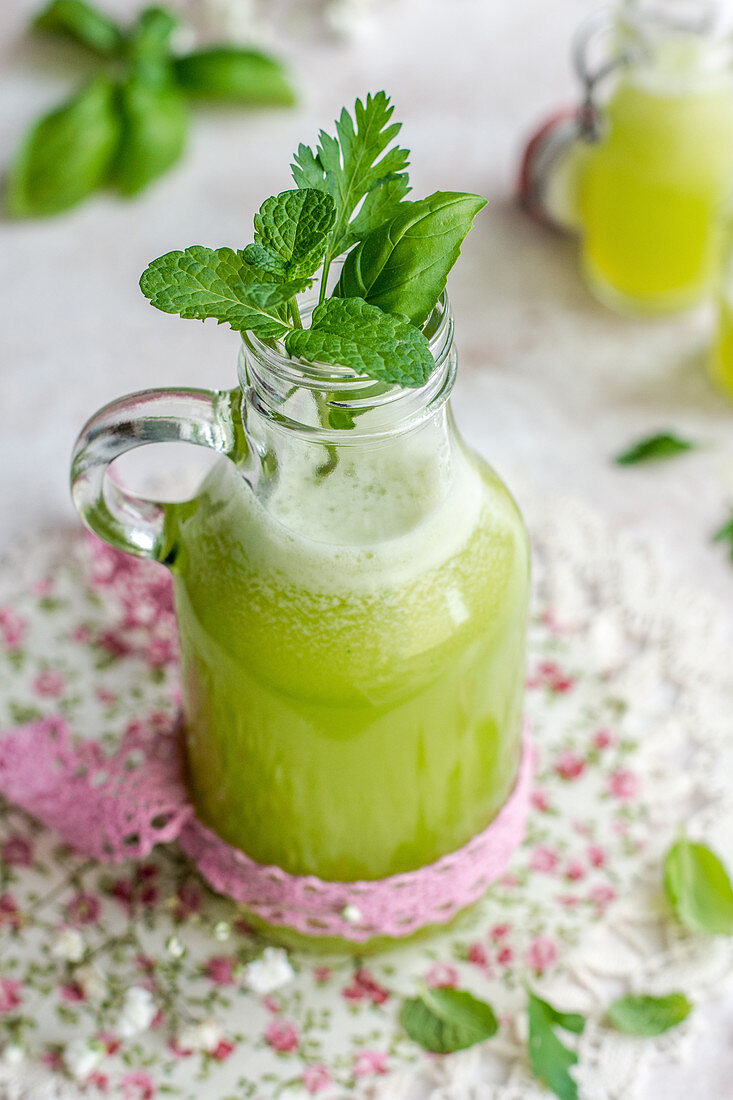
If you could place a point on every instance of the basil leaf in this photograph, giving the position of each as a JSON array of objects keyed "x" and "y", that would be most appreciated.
[
  {"x": 235, "y": 76},
  {"x": 155, "y": 119},
  {"x": 699, "y": 889},
  {"x": 67, "y": 154},
  {"x": 645, "y": 1015},
  {"x": 348, "y": 332},
  {"x": 402, "y": 266},
  {"x": 291, "y": 230},
  {"x": 549, "y": 1058},
  {"x": 445, "y": 1020},
  {"x": 81, "y": 23},
  {"x": 725, "y": 534},
  {"x": 654, "y": 448},
  {"x": 204, "y": 282}
]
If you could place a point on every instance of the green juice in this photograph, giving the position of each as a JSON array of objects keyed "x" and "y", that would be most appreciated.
[
  {"x": 353, "y": 656},
  {"x": 721, "y": 365}
]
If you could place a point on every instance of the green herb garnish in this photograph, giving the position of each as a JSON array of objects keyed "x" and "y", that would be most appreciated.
[
  {"x": 644, "y": 1015},
  {"x": 129, "y": 125},
  {"x": 445, "y": 1020},
  {"x": 699, "y": 888},
  {"x": 349, "y": 194},
  {"x": 655, "y": 448},
  {"x": 549, "y": 1058},
  {"x": 725, "y": 534}
]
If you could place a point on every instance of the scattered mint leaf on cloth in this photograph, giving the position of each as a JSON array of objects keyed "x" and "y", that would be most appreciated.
[
  {"x": 646, "y": 1016},
  {"x": 655, "y": 448},
  {"x": 81, "y": 23},
  {"x": 699, "y": 888},
  {"x": 549, "y": 1058},
  {"x": 235, "y": 76},
  {"x": 446, "y": 1020},
  {"x": 291, "y": 230},
  {"x": 725, "y": 534},
  {"x": 68, "y": 154},
  {"x": 349, "y": 332},
  {"x": 402, "y": 266}
]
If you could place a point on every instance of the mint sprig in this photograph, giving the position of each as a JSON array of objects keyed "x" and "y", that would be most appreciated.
[
  {"x": 446, "y": 1020},
  {"x": 654, "y": 448},
  {"x": 699, "y": 888},
  {"x": 644, "y": 1015},
  {"x": 549, "y": 1057},
  {"x": 291, "y": 230}
]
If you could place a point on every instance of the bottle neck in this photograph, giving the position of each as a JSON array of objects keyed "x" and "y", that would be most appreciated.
[{"x": 675, "y": 45}]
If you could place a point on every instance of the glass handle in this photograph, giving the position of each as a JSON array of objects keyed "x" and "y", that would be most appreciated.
[{"x": 121, "y": 518}]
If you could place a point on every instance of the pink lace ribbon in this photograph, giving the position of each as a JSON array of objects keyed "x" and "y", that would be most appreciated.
[{"x": 119, "y": 807}]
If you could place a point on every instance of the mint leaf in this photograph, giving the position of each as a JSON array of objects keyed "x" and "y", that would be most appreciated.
[
  {"x": 349, "y": 332},
  {"x": 645, "y": 1015},
  {"x": 81, "y": 23},
  {"x": 155, "y": 121},
  {"x": 291, "y": 230},
  {"x": 445, "y": 1020},
  {"x": 699, "y": 889},
  {"x": 235, "y": 76},
  {"x": 402, "y": 266},
  {"x": 348, "y": 167},
  {"x": 67, "y": 154},
  {"x": 725, "y": 534},
  {"x": 204, "y": 282},
  {"x": 654, "y": 448},
  {"x": 549, "y": 1058}
]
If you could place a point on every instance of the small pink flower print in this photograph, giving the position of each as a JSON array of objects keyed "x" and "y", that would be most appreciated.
[
  {"x": 550, "y": 675},
  {"x": 477, "y": 955},
  {"x": 137, "y": 1085},
  {"x": 569, "y": 765},
  {"x": 365, "y": 986},
  {"x": 99, "y": 1081},
  {"x": 12, "y": 628},
  {"x": 176, "y": 1050},
  {"x": 111, "y": 1043},
  {"x": 322, "y": 974},
  {"x": 188, "y": 901},
  {"x": 541, "y": 955},
  {"x": 161, "y": 651},
  {"x": 16, "y": 851},
  {"x": 499, "y": 931},
  {"x": 10, "y": 916},
  {"x": 81, "y": 634},
  {"x": 49, "y": 684},
  {"x": 568, "y": 901},
  {"x": 43, "y": 587},
  {"x": 281, "y": 1036},
  {"x": 220, "y": 969},
  {"x": 370, "y": 1062},
  {"x": 623, "y": 784},
  {"x": 596, "y": 855},
  {"x": 54, "y": 1059},
  {"x": 574, "y": 870},
  {"x": 83, "y": 909},
  {"x": 442, "y": 976},
  {"x": 145, "y": 963},
  {"x": 510, "y": 880},
  {"x": 105, "y": 697},
  {"x": 603, "y": 894},
  {"x": 505, "y": 955},
  {"x": 114, "y": 642},
  {"x": 315, "y": 1078},
  {"x": 10, "y": 995},
  {"x": 72, "y": 992},
  {"x": 541, "y": 800},
  {"x": 222, "y": 1050},
  {"x": 544, "y": 859},
  {"x": 602, "y": 739},
  {"x": 272, "y": 1004}
]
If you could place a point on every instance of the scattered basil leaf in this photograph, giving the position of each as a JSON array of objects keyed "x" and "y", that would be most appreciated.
[
  {"x": 549, "y": 1058},
  {"x": 291, "y": 230},
  {"x": 155, "y": 121},
  {"x": 347, "y": 166},
  {"x": 445, "y": 1020},
  {"x": 653, "y": 449},
  {"x": 204, "y": 282},
  {"x": 67, "y": 154},
  {"x": 235, "y": 76},
  {"x": 644, "y": 1015},
  {"x": 725, "y": 534},
  {"x": 699, "y": 888},
  {"x": 402, "y": 266},
  {"x": 349, "y": 332},
  {"x": 81, "y": 23}
]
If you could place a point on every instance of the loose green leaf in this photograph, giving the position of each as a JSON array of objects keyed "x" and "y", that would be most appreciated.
[
  {"x": 645, "y": 1015},
  {"x": 444, "y": 1020},
  {"x": 155, "y": 127},
  {"x": 68, "y": 154},
  {"x": 351, "y": 333},
  {"x": 204, "y": 282},
  {"x": 725, "y": 534},
  {"x": 654, "y": 449},
  {"x": 402, "y": 266},
  {"x": 699, "y": 888},
  {"x": 549, "y": 1058},
  {"x": 235, "y": 76},
  {"x": 291, "y": 230},
  {"x": 80, "y": 22},
  {"x": 348, "y": 167}
]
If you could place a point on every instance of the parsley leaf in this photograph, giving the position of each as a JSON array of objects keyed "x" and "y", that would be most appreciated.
[
  {"x": 725, "y": 534},
  {"x": 645, "y": 1015},
  {"x": 349, "y": 332},
  {"x": 444, "y": 1020},
  {"x": 549, "y": 1058},
  {"x": 204, "y": 282},
  {"x": 80, "y": 22},
  {"x": 291, "y": 230},
  {"x": 654, "y": 448},
  {"x": 234, "y": 76},
  {"x": 699, "y": 889},
  {"x": 402, "y": 265}
]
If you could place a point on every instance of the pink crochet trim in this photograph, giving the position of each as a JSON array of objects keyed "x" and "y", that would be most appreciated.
[{"x": 118, "y": 807}]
